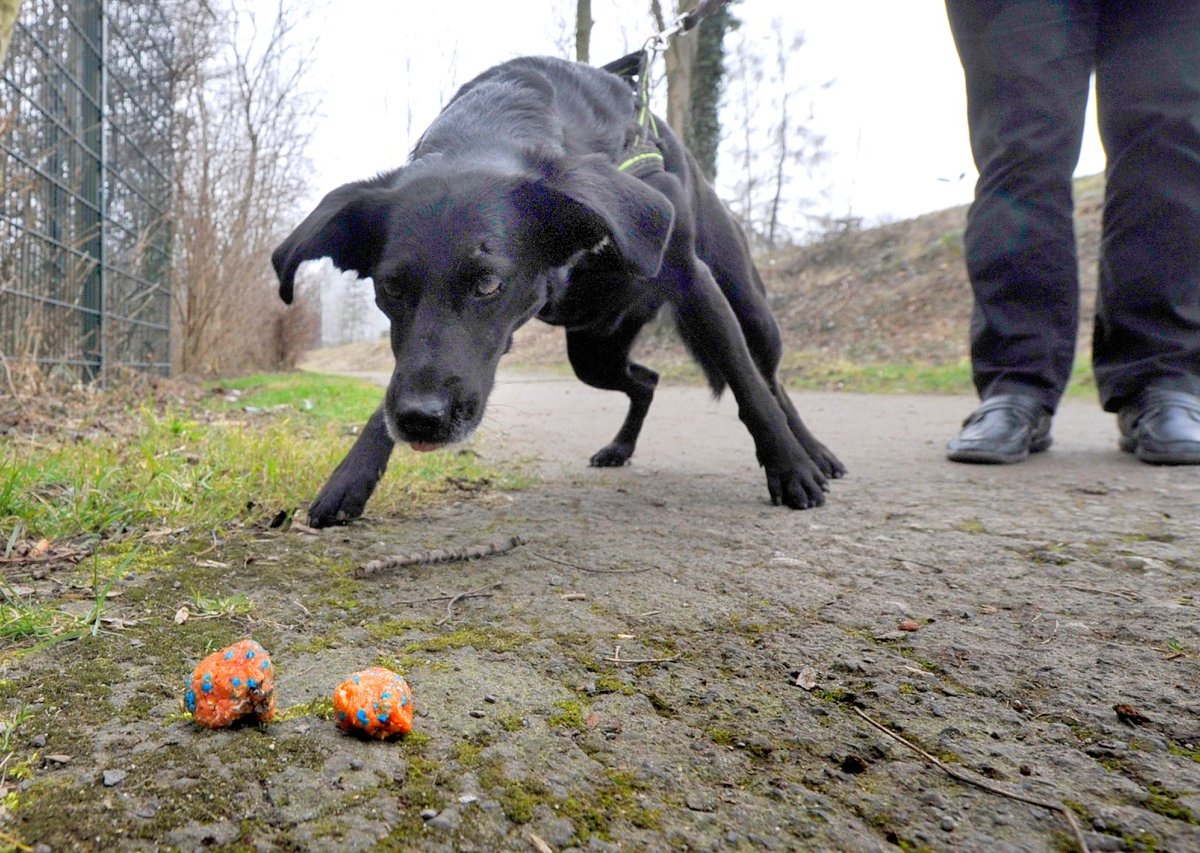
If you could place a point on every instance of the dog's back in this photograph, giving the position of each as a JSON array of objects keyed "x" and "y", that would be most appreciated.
[{"x": 535, "y": 104}]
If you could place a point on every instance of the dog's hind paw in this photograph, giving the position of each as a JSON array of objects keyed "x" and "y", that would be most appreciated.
[
  {"x": 611, "y": 455},
  {"x": 822, "y": 457},
  {"x": 796, "y": 489},
  {"x": 829, "y": 464}
]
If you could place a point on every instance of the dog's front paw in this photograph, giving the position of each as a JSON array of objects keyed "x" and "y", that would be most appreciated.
[
  {"x": 611, "y": 455},
  {"x": 339, "y": 503},
  {"x": 797, "y": 488}
]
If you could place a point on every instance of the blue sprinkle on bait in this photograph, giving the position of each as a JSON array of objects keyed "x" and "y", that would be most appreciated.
[
  {"x": 362, "y": 718},
  {"x": 266, "y": 664},
  {"x": 356, "y": 681},
  {"x": 207, "y": 686},
  {"x": 229, "y": 656},
  {"x": 250, "y": 654},
  {"x": 190, "y": 699},
  {"x": 383, "y": 718},
  {"x": 341, "y": 715},
  {"x": 251, "y": 683},
  {"x": 386, "y": 696},
  {"x": 236, "y": 682}
]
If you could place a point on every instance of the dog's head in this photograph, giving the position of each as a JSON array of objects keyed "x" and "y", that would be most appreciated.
[{"x": 463, "y": 254}]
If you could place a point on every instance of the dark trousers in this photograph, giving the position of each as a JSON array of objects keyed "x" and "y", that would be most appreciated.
[{"x": 1027, "y": 65}]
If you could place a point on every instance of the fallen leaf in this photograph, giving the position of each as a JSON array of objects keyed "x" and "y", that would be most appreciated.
[
  {"x": 58, "y": 758},
  {"x": 806, "y": 678},
  {"x": 1131, "y": 715},
  {"x": 181, "y": 615},
  {"x": 593, "y": 720},
  {"x": 40, "y": 548},
  {"x": 909, "y": 625}
]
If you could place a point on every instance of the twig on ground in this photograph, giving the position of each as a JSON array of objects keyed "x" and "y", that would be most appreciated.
[
  {"x": 596, "y": 571},
  {"x": 481, "y": 592},
  {"x": 539, "y": 845},
  {"x": 616, "y": 658},
  {"x": 916, "y": 563},
  {"x": 438, "y": 555},
  {"x": 1119, "y": 593},
  {"x": 14, "y": 842},
  {"x": 301, "y": 527},
  {"x": 1076, "y": 830}
]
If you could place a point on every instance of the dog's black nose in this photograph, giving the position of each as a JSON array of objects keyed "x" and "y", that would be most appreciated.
[{"x": 422, "y": 417}]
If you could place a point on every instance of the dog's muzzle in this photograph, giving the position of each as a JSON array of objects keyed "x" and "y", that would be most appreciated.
[{"x": 430, "y": 421}]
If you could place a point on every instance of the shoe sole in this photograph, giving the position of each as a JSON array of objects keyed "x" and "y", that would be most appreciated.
[
  {"x": 992, "y": 457},
  {"x": 1152, "y": 457}
]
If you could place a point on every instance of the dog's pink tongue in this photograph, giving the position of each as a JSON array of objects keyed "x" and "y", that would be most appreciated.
[{"x": 422, "y": 446}]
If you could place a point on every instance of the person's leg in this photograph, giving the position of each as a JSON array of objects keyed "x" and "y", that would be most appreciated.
[
  {"x": 1147, "y": 330},
  {"x": 1027, "y": 66}
]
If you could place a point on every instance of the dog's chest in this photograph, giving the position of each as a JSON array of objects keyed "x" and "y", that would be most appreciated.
[{"x": 600, "y": 300}]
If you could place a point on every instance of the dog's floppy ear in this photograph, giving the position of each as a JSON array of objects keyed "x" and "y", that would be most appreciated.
[
  {"x": 349, "y": 227},
  {"x": 576, "y": 205}
]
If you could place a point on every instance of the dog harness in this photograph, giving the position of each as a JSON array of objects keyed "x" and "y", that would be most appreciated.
[{"x": 644, "y": 155}]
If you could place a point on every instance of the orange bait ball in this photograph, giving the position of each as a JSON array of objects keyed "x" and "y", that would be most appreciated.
[
  {"x": 235, "y": 683},
  {"x": 375, "y": 702}
]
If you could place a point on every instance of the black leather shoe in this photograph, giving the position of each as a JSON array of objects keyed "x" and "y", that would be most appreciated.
[
  {"x": 1006, "y": 428},
  {"x": 1162, "y": 427}
]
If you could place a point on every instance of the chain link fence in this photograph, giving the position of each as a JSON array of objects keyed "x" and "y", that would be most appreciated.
[{"x": 86, "y": 104}]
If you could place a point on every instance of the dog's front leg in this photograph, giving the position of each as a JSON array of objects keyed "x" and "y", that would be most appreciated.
[
  {"x": 346, "y": 493},
  {"x": 793, "y": 478}
]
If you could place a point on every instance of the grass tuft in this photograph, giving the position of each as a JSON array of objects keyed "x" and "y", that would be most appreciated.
[{"x": 205, "y": 468}]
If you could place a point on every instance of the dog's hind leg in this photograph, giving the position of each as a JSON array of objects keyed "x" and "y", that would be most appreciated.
[
  {"x": 346, "y": 493},
  {"x": 602, "y": 361},
  {"x": 709, "y": 324},
  {"x": 728, "y": 257},
  {"x": 766, "y": 347}
]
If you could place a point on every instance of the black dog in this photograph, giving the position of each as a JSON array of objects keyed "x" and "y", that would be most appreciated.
[{"x": 519, "y": 202}]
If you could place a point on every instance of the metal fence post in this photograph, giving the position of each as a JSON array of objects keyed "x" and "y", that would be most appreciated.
[{"x": 91, "y": 213}]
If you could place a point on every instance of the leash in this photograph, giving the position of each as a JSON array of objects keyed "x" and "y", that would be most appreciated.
[{"x": 644, "y": 154}]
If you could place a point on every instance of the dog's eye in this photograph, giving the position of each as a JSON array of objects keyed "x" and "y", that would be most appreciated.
[
  {"x": 488, "y": 286},
  {"x": 390, "y": 288}
]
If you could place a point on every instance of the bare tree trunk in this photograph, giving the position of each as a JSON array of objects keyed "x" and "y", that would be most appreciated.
[
  {"x": 694, "y": 63},
  {"x": 783, "y": 151},
  {"x": 679, "y": 59},
  {"x": 8, "y": 19},
  {"x": 583, "y": 30},
  {"x": 773, "y": 140},
  {"x": 708, "y": 77},
  {"x": 749, "y": 75}
]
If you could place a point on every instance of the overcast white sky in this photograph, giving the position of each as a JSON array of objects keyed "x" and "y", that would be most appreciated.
[{"x": 893, "y": 118}]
